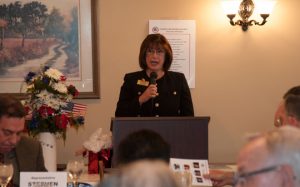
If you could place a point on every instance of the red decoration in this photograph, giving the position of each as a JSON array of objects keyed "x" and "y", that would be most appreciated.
[{"x": 93, "y": 160}]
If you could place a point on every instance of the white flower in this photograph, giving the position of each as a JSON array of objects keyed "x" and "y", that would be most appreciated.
[
  {"x": 63, "y": 104},
  {"x": 53, "y": 103},
  {"x": 98, "y": 141},
  {"x": 53, "y": 73},
  {"x": 69, "y": 98},
  {"x": 44, "y": 95},
  {"x": 60, "y": 87},
  {"x": 37, "y": 104}
]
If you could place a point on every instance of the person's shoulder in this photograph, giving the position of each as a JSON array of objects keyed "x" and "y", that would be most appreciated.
[
  {"x": 175, "y": 75},
  {"x": 134, "y": 75},
  {"x": 28, "y": 141},
  {"x": 27, "y": 145}
]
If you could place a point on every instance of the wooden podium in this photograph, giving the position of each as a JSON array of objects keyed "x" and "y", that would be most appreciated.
[{"x": 187, "y": 136}]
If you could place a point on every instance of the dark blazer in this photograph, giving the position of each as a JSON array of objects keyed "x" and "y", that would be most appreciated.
[
  {"x": 29, "y": 155},
  {"x": 174, "y": 97}
]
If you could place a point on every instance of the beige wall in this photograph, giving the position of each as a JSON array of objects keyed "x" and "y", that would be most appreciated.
[{"x": 240, "y": 76}]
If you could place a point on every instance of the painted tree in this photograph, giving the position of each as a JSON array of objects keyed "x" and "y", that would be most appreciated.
[
  {"x": 55, "y": 25},
  {"x": 73, "y": 33},
  {"x": 26, "y": 20},
  {"x": 33, "y": 18},
  {"x": 3, "y": 23},
  {"x": 14, "y": 13}
]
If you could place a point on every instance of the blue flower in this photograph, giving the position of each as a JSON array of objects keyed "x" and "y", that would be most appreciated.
[
  {"x": 45, "y": 68},
  {"x": 29, "y": 76},
  {"x": 33, "y": 123},
  {"x": 80, "y": 120},
  {"x": 46, "y": 80}
]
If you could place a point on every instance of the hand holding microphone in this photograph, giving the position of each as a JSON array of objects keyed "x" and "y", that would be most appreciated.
[
  {"x": 153, "y": 87},
  {"x": 151, "y": 91}
]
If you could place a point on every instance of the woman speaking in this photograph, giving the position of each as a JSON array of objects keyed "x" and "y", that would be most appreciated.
[{"x": 155, "y": 91}]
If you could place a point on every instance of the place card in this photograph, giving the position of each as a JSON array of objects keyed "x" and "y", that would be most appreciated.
[
  {"x": 43, "y": 179},
  {"x": 196, "y": 167}
]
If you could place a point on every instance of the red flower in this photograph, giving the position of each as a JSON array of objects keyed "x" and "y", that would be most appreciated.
[
  {"x": 45, "y": 111},
  {"x": 27, "y": 109},
  {"x": 61, "y": 121},
  {"x": 63, "y": 78},
  {"x": 72, "y": 90}
]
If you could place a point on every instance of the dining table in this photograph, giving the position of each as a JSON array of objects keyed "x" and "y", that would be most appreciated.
[{"x": 90, "y": 180}]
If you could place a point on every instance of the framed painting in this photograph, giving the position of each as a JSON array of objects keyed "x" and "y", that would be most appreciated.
[{"x": 59, "y": 34}]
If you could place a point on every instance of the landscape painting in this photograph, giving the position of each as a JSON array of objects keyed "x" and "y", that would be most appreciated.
[{"x": 36, "y": 33}]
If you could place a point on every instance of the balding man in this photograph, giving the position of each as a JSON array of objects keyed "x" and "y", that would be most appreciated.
[
  {"x": 287, "y": 113},
  {"x": 271, "y": 159}
]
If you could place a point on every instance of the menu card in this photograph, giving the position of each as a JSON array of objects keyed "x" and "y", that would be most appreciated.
[{"x": 196, "y": 167}]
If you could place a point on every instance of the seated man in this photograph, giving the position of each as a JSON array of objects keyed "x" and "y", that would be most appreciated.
[
  {"x": 270, "y": 159},
  {"x": 143, "y": 144},
  {"x": 24, "y": 153},
  {"x": 287, "y": 113},
  {"x": 280, "y": 114}
]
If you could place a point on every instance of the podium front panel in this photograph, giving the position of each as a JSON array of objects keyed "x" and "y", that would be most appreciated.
[{"x": 187, "y": 136}]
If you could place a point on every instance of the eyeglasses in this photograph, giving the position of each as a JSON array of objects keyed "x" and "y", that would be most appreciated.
[
  {"x": 241, "y": 178},
  {"x": 158, "y": 52}
]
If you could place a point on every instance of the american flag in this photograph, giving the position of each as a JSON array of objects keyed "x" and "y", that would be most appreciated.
[{"x": 75, "y": 109}]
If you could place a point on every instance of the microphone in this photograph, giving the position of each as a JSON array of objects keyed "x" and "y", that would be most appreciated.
[{"x": 153, "y": 76}]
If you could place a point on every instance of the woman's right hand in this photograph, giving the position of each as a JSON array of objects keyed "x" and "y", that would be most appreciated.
[{"x": 149, "y": 93}]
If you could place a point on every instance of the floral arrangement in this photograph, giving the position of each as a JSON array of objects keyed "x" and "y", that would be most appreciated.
[
  {"x": 98, "y": 147},
  {"x": 48, "y": 101}
]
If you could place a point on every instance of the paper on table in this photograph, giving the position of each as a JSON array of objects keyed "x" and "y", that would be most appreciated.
[
  {"x": 46, "y": 178},
  {"x": 196, "y": 167}
]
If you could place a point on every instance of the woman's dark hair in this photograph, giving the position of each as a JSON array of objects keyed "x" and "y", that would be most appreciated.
[
  {"x": 143, "y": 144},
  {"x": 156, "y": 40}
]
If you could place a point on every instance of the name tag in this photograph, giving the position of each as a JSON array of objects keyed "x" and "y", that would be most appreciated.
[
  {"x": 43, "y": 179},
  {"x": 142, "y": 82}
]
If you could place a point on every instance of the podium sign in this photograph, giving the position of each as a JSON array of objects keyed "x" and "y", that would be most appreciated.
[{"x": 187, "y": 136}]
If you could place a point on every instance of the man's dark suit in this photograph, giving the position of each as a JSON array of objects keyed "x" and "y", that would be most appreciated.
[{"x": 29, "y": 157}]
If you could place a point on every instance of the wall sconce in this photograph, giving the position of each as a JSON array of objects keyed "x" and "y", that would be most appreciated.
[{"x": 245, "y": 10}]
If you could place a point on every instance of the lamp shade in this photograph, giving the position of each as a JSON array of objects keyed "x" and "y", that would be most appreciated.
[
  {"x": 230, "y": 6},
  {"x": 264, "y": 6}
]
